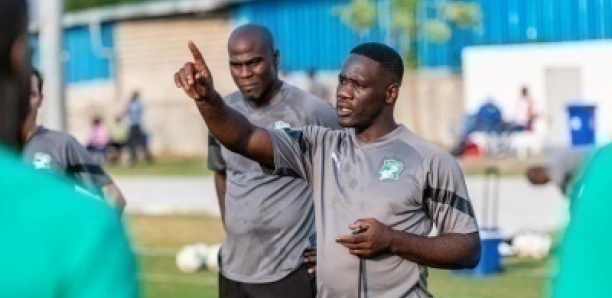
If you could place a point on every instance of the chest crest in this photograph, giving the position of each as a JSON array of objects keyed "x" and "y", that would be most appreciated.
[
  {"x": 390, "y": 169},
  {"x": 41, "y": 161},
  {"x": 281, "y": 125}
]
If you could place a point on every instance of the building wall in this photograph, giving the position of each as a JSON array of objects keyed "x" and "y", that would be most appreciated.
[
  {"x": 500, "y": 71},
  {"x": 519, "y": 21},
  {"x": 86, "y": 53},
  {"x": 150, "y": 52},
  {"x": 308, "y": 33}
]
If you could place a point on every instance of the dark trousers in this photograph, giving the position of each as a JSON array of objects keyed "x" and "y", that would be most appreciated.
[
  {"x": 137, "y": 140},
  {"x": 298, "y": 284}
]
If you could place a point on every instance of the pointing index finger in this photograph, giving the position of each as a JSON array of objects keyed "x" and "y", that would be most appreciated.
[{"x": 198, "y": 59}]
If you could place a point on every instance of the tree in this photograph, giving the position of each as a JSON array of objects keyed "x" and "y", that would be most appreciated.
[
  {"x": 75, "y": 5},
  {"x": 438, "y": 17}
]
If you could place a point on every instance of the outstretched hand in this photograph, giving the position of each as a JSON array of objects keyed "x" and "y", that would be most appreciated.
[
  {"x": 370, "y": 237},
  {"x": 195, "y": 77}
]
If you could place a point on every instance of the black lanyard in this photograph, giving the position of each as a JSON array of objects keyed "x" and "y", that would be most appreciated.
[{"x": 361, "y": 281}]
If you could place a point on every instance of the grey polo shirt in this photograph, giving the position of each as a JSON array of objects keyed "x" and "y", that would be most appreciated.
[
  {"x": 401, "y": 180},
  {"x": 269, "y": 220},
  {"x": 61, "y": 153}
]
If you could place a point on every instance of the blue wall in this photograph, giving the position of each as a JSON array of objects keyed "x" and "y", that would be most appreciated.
[
  {"x": 309, "y": 35},
  {"x": 83, "y": 64},
  {"x": 509, "y": 21},
  {"x": 306, "y": 32}
]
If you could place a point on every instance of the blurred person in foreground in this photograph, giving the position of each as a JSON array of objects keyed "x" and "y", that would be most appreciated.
[
  {"x": 378, "y": 188},
  {"x": 55, "y": 243},
  {"x": 585, "y": 261},
  {"x": 59, "y": 152},
  {"x": 269, "y": 220}
]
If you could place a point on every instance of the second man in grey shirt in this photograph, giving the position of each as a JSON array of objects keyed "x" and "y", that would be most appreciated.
[{"x": 269, "y": 220}]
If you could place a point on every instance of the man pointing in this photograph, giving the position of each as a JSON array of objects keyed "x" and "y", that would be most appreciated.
[{"x": 378, "y": 188}]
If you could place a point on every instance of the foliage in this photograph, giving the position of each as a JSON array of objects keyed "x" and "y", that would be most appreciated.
[
  {"x": 359, "y": 14},
  {"x": 362, "y": 15},
  {"x": 75, "y": 5}
]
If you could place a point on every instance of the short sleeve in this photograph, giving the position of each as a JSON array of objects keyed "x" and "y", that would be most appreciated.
[
  {"x": 325, "y": 115},
  {"x": 294, "y": 150},
  {"x": 446, "y": 198},
  {"x": 82, "y": 167},
  {"x": 215, "y": 161}
]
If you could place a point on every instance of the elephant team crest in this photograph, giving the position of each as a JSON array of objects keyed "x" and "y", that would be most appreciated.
[
  {"x": 390, "y": 169},
  {"x": 281, "y": 125},
  {"x": 41, "y": 161}
]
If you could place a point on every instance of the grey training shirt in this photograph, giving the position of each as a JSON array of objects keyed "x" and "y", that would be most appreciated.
[
  {"x": 400, "y": 179},
  {"x": 61, "y": 153},
  {"x": 269, "y": 220}
]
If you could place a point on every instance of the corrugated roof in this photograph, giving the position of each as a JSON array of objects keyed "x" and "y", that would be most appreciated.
[{"x": 139, "y": 10}]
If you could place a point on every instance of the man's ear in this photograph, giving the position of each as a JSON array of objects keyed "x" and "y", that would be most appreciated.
[
  {"x": 40, "y": 102},
  {"x": 392, "y": 93},
  {"x": 276, "y": 58}
]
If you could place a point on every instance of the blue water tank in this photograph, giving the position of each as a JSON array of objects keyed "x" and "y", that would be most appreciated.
[{"x": 582, "y": 124}]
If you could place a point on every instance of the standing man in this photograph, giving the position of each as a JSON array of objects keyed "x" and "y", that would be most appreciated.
[
  {"x": 136, "y": 137},
  {"x": 55, "y": 243},
  {"x": 269, "y": 220},
  {"x": 378, "y": 188},
  {"x": 524, "y": 112},
  {"x": 53, "y": 150}
]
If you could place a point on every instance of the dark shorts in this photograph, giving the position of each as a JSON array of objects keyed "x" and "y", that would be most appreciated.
[{"x": 298, "y": 284}]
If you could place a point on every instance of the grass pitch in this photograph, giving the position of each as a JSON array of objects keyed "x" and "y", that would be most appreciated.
[{"x": 158, "y": 238}]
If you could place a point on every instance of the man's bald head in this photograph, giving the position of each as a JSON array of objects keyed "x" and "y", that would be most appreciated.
[
  {"x": 253, "y": 32},
  {"x": 254, "y": 63}
]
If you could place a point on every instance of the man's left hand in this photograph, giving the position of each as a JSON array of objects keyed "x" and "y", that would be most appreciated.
[{"x": 374, "y": 238}]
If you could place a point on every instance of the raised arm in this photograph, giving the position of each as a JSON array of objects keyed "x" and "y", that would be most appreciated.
[{"x": 228, "y": 126}]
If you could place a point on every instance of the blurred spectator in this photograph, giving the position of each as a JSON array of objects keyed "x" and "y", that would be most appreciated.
[
  {"x": 98, "y": 139},
  {"x": 317, "y": 88},
  {"x": 137, "y": 140},
  {"x": 561, "y": 168},
  {"x": 487, "y": 119},
  {"x": 524, "y": 113},
  {"x": 585, "y": 262},
  {"x": 119, "y": 131}
]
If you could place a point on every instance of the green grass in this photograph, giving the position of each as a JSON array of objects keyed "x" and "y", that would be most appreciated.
[
  {"x": 194, "y": 166},
  {"x": 160, "y": 237},
  {"x": 163, "y": 167},
  {"x": 520, "y": 278},
  {"x": 160, "y": 278}
]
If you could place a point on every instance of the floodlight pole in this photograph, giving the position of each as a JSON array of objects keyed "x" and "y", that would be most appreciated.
[{"x": 52, "y": 62}]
